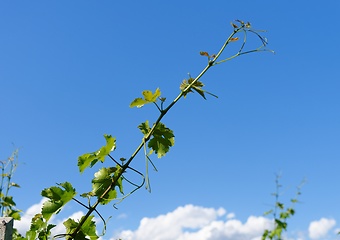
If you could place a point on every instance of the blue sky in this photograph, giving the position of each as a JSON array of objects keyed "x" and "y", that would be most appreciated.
[{"x": 69, "y": 70}]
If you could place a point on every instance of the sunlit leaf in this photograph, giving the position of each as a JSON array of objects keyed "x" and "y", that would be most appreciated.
[
  {"x": 88, "y": 229},
  {"x": 58, "y": 197},
  {"x": 90, "y": 159},
  {"x": 138, "y": 102},
  {"x": 102, "y": 181},
  {"x": 149, "y": 97}
]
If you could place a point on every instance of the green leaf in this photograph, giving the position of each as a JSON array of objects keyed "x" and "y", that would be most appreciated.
[
  {"x": 144, "y": 127},
  {"x": 280, "y": 224},
  {"x": 87, "y": 229},
  {"x": 15, "y": 214},
  {"x": 90, "y": 159},
  {"x": 58, "y": 197},
  {"x": 149, "y": 97},
  {"x": 8, "y": 201},
  {"x": 15, "y": 185},
  {"x": 197, "y": 86},
  {"x": 138, "y": 102},
  {"x": 268, "y": 212},
  {"x": 30, "y": 235},
  {"x": 162, "y": 139},
  {"x": 101, "y": 182},
  {"x": 37, "y": 222},
  {"x": 280, "y": 205}
]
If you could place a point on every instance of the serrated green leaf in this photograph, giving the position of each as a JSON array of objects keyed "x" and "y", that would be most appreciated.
[
  {"x": 162, "y": 139},
  {"x": 90, "y": 159},
  {"x": 144, "y": 127},
  {"x": 87, "y": 229},
  {"x": 37, "y": 222},
  {"x": 101, "y": 182},
  {"x": 58, "y": 197},
  {"x": 70, "y": 225}
]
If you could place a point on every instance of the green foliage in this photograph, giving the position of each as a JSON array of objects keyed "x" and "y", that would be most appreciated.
[
  {"x": 190, "y": 84},
  {"x": 88, "y": 228},
  {"x": 158, "y": 139},
  {"x": 58, "y": 197},
  {"x": 162, "y": 138},
  {"x": 7, "y": 204},
  {"x": 149, "y": 97},
  {"x": 90, "y": 159},
  {"x": 102, "y": 181},
  {"x": 39, "y": 228},
  {"x": 281, "y": 214}
]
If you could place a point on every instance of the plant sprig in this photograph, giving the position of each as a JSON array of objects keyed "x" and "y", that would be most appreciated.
[{"x": 107, "y": 184}]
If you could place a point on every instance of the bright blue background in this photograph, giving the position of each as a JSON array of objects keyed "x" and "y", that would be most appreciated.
[{"x": 69, "y": 69}]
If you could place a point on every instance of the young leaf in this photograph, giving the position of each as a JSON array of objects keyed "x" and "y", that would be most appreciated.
[
  {"x": 58, "y": 197},
  {"x": 197, "y": 86},
  {"x": 206, "y": 54},
  {"x": 149, "y": 97},
  {"x": 162, "y": 139},
  {"x": 138, "y": 102},
  {"x": 234, "y": 25},
  {"x": 233, "y": 39},
  {"x": 90, "y": 159}
]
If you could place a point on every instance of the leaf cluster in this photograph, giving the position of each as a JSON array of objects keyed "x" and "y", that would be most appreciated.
[{"x": 7, "y": 203}]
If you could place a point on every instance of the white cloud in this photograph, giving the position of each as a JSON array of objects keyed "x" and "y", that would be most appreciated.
[
  {"x": 187, "y": 223},
  {"x": 24, "y": 224},
  {"x": 199, "y": 223},
  {"x": 319, "y": 229}
]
